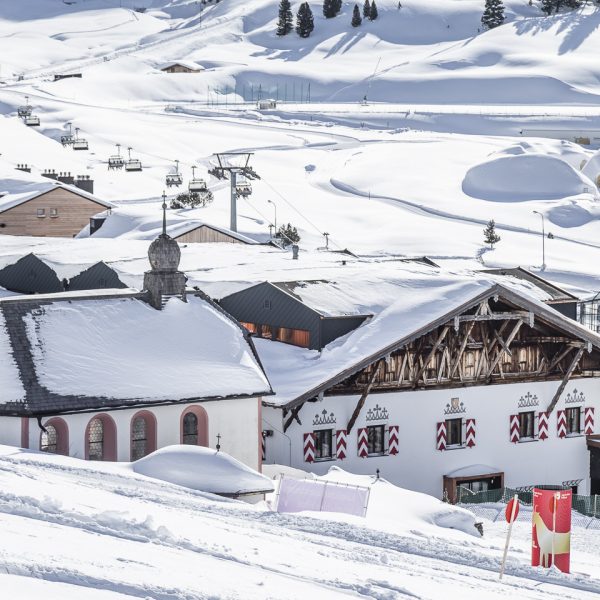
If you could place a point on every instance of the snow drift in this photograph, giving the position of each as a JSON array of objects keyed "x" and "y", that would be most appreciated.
[{"x": 525, "y": 177}]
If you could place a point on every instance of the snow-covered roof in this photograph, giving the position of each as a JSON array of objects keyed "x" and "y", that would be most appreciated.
[
  {"x": 183, "y": 63},
  {"x": 203, "y": 469},
  {"x": 109, "y": 348},
  {"x": 178, "y": 229},
  {"x": 297, "y": 374},
  {"x": 17, "y": 188}
]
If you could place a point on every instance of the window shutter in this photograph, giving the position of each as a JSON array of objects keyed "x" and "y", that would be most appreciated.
[
  {"x": 341, "y": 444},
  {"x": 543, "y": 426},
  {"x": 561, "y": 423},
  {"x": 588, "y": 421},
  {"x": 309, "y": 447},
  {"x": 441, "y": 436},
  {"x": 515, "y": 432},
  {"x": 470, "y": 438},
  {"x": 393, "y": 440},
  {"x": 363, "y": 443}
]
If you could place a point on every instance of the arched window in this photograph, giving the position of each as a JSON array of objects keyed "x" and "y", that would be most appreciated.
[
  {"x": 194, "y": 426},
  {"x": 143, "y": 434},
  {"x": 101, "y": 439},
  {"x": 55, "y": 439},
  {"x": 49, "y": 440},
  {"x": 190, "y": 429}
]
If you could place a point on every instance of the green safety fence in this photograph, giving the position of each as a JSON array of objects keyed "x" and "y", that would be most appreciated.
[{"x": 585, "y": 505}]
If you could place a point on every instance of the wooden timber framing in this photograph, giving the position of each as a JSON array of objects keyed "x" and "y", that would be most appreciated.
[
  {"x": 363, "y": 397},
  {"x": 565, "y": 379},
  {"x": 519, "y": 340},
  {"x": 293, "y": 417}
]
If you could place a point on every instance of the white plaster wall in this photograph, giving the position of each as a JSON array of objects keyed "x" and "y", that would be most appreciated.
[
  {"x": 10, "y": 431},
  {"x": 238, "y": 422},
  {"x": 419, "y": 466}
]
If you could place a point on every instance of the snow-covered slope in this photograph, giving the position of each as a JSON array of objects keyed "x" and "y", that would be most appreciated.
[{"x": 76, "y": 530}]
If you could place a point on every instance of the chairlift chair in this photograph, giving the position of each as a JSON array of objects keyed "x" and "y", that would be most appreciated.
[
  {"x": 116, "y": 161},
  {"x": 67, "y": 138},
  {"x": 32, "y": 121},
  {"x": 79, "y": 143},
  {"x": 133, "y": 164},
  {"x": 243, "y": 187},
  {"x": 25, "y": 110},
  {"x": 174, "y": 179},
  {"x": 197, "y": 186}
]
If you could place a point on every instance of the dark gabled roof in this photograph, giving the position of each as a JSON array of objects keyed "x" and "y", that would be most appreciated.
[
  {"x": 544, "y": 313},
  {"x": 556, "y": 293},
  {"x": 30, "y": 275},
  {"x": 98, "y": 276},
  {"x": 26, "y": 391}
]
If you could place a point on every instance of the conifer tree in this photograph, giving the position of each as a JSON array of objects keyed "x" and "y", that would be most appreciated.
[
  {"x": 329, "y": 9},
  {"x": 304, "y": 21},
  {"x": 493, "y": 14},
  {"x": 374, "y": 12},
  {"x": 356, "y": 18},
  {"x": 489, "y": 234},
  {"x": 338, "y": 6},
  {"x": 367, "y": 10},
  {"x": 286, "y": 20},
  {"x": 548, "y": 6}
]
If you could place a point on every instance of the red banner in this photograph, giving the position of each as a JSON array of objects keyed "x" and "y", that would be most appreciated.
[{"x": 551, "y": 535}]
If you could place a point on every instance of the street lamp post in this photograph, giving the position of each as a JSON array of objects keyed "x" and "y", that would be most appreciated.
[
  {"x": 275, "y": 209},
  {"x": 543, "y": 240}
]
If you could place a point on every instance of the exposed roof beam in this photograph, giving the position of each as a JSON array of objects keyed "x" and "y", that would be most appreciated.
[{"x": 565, "y": 380}]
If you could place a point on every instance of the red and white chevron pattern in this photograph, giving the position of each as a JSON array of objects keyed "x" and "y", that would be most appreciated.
[
  {"x": 363, "y": 443},
  {"x": 341, "y": 444},
  {"x": 441, "y": 436},
  {"x": 515, "y": 433},
  {"x": 588, "y": 420},
  {"x": 561, "y": 423},
  {"x": 393, "y": 448},
  {"x": 543, "y": 426},
  {"x": 470, "y": 436},
  {"x": 309, "y": 447}
]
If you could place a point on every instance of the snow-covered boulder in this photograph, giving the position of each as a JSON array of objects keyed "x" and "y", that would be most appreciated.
[{"x": 203, "y": 469}]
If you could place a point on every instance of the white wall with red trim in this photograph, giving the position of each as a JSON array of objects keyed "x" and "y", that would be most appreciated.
[
  {"x": 421, "y": 461},
  {"x": 237, "y": 421}
]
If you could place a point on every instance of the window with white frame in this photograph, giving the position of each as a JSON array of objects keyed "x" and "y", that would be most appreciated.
[
  {"x": 527, "y": 425},
  {"x": 376, "y": 439},
  {"x": 573, "y": 416},
  {"x": 41, "y": 212},
  {"x": 53, "y": 212},
  {"x": 454, "y": 432},
  {"x": 323, "y": 444}
]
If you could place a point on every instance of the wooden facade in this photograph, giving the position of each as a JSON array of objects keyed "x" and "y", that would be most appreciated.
[
  {"x": 204, "y": 234},
  {"x": 179, "y": 68},
  {"x": 493, "y": 344},
  {"x": 57, "y": 213}
]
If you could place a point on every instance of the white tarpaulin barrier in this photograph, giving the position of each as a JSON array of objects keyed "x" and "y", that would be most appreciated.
[{"x": 296, "y": 495}]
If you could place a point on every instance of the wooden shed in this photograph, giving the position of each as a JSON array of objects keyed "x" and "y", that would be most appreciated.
[
  {"x": 47, "y": 209},
  {"x": 182, "y": 67},
  {"x": 204, "y": 233}
]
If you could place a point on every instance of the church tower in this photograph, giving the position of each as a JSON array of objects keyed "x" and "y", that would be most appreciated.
[{"x": 164, "y": 281}]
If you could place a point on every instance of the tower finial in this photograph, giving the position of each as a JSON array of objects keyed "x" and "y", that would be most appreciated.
[{"x": 164, "y": 208}]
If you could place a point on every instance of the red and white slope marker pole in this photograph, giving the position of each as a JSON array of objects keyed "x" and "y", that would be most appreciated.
[{"x": 511, "y": 513}]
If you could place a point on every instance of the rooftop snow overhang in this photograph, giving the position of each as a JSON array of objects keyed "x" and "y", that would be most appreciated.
[{"x": 539, "y": 310}]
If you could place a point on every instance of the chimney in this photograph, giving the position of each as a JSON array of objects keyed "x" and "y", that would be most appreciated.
[
  {"x": 83, "y": 182},
  {"x": 66, "y": 178}
]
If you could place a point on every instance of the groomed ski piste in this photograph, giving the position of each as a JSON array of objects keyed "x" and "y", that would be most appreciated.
[{"x": 445, "y": 141}]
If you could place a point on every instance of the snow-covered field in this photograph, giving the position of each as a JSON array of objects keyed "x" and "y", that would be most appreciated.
[
  {"x": 75, "y": 530},
  {"x": 435, "y": 152}
]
